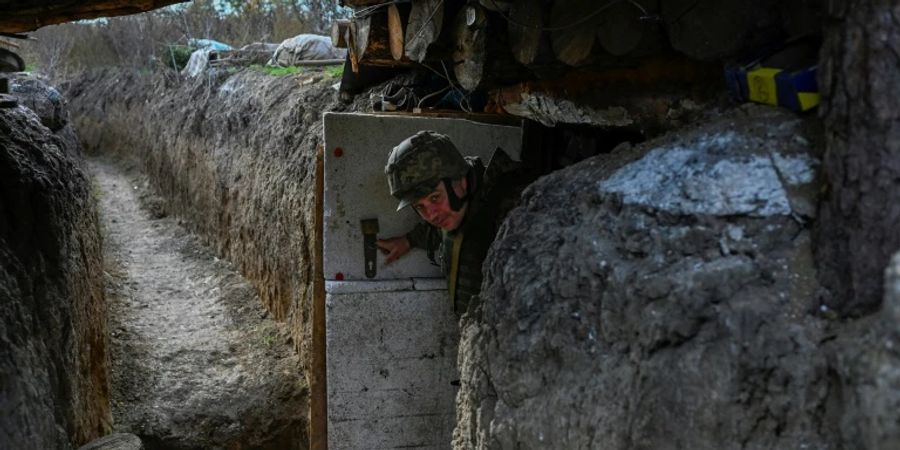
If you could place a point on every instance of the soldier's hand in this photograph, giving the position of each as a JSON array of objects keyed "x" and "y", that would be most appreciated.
[{"x": 393, "y": 248}]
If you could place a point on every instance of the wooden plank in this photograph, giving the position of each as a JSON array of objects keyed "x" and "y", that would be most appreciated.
[
  {"x": 573, "y": 37},
  {"x": 525, "y": 39},
  {"x": 395, "y": 31},
  {"x": 426, "y": 18},
  {"x": 318, "y": 386},
  {"x": 468, "y": 57}
]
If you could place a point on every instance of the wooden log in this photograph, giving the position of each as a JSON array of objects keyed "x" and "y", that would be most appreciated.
[
  {"x": 620, "y": 28},
  {"x": 350, "y": 36},
  {"x": 715, "y": 29},
  {"x": 339, "y": 32},
  {"x": 318, "y": 380},
  {"x": 362, "y": 30},
  {"x": 16, "y": 17},
  {"x": 468, "y": 57},
  {"x": 525, "y": 39},
  {"x": 426, "y": 18},
  {"x": 370, "y": 42},
  {"x": 572, "y": 36},
  {"x": 395, "y": 31}
]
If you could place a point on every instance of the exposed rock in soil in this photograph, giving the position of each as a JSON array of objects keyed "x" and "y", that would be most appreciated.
[
  {"x": 196, "y": 363},
  {"x": 53, "y": 362},
  {"x": 658, "y": 298}
]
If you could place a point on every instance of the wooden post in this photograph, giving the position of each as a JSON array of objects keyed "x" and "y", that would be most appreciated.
[{"x": 318, "y": 401}]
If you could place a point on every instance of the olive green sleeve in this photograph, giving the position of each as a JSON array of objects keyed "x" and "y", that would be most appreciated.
[
  {"x": 424, "y": 236},
  {"x": 418, "y": 236}
]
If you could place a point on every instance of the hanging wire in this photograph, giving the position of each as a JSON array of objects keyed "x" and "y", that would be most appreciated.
[
  {"x": 439, "y": 91},
  {"x": 427, "y": 21},
  {"x": 369, "y": 10},
  {"x": 584, "y": 19},
  {"x": 464, "y": 97}
]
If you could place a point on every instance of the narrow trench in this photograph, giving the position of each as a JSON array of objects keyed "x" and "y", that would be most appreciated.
[{"x": 195, "y": 360}]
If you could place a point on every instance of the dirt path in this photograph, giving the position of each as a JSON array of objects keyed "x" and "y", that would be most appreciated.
[{"x": 195, "y": 362}]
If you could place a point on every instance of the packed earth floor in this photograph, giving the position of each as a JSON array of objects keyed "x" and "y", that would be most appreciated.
[{"x": 195, "y": 360}]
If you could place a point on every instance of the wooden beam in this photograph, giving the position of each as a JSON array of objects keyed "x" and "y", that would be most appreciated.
[
  {"x": 318, "y": 385},
  {"x": 15, "y": 18}
]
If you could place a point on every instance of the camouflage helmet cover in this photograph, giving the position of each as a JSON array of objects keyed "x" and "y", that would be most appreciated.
[{"x": 416, "y": 166}]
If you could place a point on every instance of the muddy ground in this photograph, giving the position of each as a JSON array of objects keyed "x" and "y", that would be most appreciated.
[{"x": 196, "y": 362}]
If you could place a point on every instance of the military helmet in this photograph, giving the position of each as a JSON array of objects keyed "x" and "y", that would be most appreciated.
[{"x": 419, "y": 163}]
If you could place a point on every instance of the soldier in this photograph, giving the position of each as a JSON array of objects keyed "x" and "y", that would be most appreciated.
[{"x": 461, "y": 202}]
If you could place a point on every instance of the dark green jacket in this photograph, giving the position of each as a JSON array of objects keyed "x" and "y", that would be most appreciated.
[{"x": 496, "y": 191}]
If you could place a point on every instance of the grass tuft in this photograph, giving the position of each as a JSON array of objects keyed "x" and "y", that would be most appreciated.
[
  {"x": 276, "y": 71},
  {"x": 335, "y": 71}
]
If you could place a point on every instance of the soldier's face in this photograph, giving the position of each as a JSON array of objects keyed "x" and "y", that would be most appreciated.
[{"x": 435, "y": 207}]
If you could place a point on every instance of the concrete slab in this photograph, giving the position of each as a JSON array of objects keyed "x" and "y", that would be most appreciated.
[{"x": 391, "y": 360}]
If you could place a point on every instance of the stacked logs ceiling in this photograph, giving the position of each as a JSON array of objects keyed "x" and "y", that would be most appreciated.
[
  {"x": 17, "y": 16},
  {"x": 492, "y": 38},
  {"x": 492, "y": 43}
]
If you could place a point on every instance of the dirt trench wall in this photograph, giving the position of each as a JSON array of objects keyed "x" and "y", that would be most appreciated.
[
  {"x": 53, "y": 365},
  {"x": 233, "y": 155},
  {"x": 665, "y": 297}
]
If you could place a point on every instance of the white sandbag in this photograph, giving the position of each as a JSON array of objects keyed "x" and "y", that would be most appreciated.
[{"x": 305, "y": 47}]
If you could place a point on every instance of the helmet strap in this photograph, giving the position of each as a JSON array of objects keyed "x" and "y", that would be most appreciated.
[{"x": 456, "y": 203}]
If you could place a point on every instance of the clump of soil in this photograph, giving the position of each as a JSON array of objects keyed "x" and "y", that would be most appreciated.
[{"x": 196, "y": 362}]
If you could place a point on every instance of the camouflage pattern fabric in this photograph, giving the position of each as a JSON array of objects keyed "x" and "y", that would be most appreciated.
[{"x": 416, "y": 166}]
